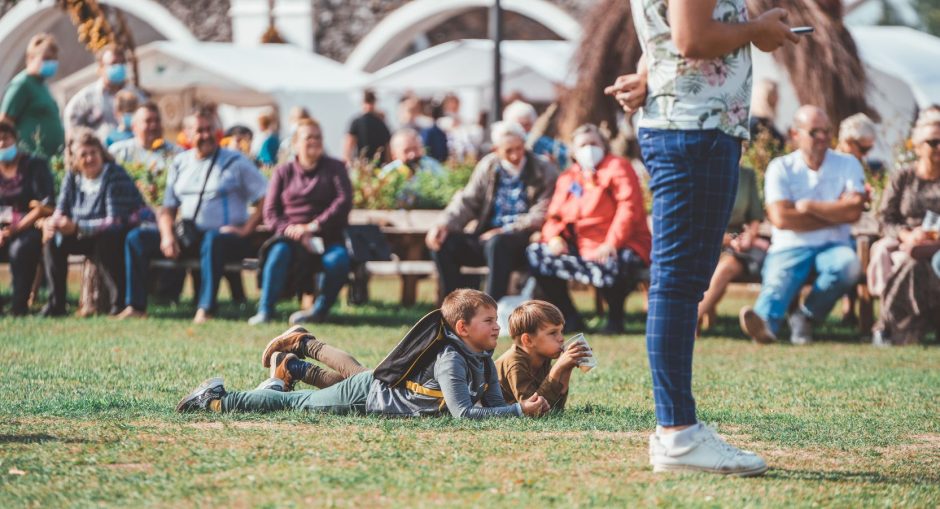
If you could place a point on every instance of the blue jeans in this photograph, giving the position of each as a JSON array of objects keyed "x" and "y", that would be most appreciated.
[
  {"x": 694, "y": 180},
  {"x": 215, "y": 250},
  {"x": 334, "y": 265},
  {"x": 785, "y": 271},
  {"x": 348, "y": 396}
]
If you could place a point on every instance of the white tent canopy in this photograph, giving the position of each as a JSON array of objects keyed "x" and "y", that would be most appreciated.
[
  {"x": 277, "y": 75},
  {"x": 905, "y": 53},
  {"x": 534, "y": 68}
]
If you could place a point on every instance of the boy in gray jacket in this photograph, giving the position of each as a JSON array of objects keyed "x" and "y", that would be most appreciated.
[{"x": 460, "y": 377}]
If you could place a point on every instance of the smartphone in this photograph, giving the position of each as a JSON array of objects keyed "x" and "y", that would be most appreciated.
[{"x": 802, "y": 30}]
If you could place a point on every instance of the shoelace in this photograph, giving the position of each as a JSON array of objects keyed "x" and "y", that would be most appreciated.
[{"x": 714, "y": 438}]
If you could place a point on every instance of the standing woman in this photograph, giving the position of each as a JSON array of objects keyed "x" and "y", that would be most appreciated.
[
  {"x": 307, "y": 207},
  {"x": 97, "y": 205},
  {"x": 694, "y": 87},
  {"x": 26, "y": 188},
  {"x": 595, "y": 231}
]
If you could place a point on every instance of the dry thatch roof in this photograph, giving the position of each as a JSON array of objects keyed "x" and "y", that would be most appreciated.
[
  {"x": 824, "y": 67},
  {"x": 609, "y": 48}
]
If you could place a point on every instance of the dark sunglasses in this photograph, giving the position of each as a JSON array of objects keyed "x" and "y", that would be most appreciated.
[
  {"x": 933, "y": 143},
  {"x": 817, "y": 132},
  {"x": 864, "y": 149}
]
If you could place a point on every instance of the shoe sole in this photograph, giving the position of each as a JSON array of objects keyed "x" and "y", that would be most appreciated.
[
  {"x": 754, "y": 472},
  {"x": 268, "y": 350},
  {"x": 212, "y": 382},
  {"x": 753, "y": 325}
]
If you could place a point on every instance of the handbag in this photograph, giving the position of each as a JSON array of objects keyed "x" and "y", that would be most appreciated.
[
  {"x": 187, "y": 233},
  {"x": 367, "y": 243}
]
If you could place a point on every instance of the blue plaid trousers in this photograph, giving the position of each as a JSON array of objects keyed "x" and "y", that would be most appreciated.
[{"x": 694, "y": 179}]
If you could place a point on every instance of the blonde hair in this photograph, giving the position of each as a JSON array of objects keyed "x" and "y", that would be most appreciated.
[
  {"x": 532, "y": 316},
  {"x": 463, "y": 304},
  {"x": 305, "y": 122}
]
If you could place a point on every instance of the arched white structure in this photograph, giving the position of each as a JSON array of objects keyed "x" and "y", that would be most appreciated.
[
  {"x": 29, "y": 17},
  {"x": 390, "y": 37}
]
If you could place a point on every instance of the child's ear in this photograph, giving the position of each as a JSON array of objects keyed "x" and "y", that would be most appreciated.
[
  {"x": 525, "y": 339},
  {"x": 460, "y": 328}
]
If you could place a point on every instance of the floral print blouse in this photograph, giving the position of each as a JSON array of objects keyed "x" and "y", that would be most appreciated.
[{"x": 686, "y": 94}]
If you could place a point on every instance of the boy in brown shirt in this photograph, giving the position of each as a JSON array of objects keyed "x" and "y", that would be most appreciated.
[{"x": 526, "y": 368}]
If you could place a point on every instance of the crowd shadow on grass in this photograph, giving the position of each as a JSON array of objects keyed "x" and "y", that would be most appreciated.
[{"x": 39, "y": 438}]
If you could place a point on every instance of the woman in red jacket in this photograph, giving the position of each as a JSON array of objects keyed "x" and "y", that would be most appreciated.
[{"x": 595, "y": 231}]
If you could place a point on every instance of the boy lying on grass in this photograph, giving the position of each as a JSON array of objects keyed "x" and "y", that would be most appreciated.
[
  {"x": 457, "y": 379},
  {"x": 526, "y": 368}
]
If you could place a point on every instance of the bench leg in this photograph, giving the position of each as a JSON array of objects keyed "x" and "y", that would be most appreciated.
[
  {"x": 866, "y": 311},
  {"x": 409, "y": 290}
]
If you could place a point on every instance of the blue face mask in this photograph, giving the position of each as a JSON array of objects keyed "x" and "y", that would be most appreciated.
[
  {"x": 128, "y": 119},
  {"x": 49, "y": 68},
  {"x": 8, "y": 154},
  {"x": 117, "y": 73}
]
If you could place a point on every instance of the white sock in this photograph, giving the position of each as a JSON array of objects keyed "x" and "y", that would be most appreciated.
[{"x": 677, "y": 439}]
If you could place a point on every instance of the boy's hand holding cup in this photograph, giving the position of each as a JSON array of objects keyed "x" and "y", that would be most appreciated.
[
  {"x": 535, "y": 406},
  {"x": 577, "y": 350}
]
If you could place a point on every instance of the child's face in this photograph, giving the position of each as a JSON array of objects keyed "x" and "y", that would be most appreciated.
[
  {"x": 482, "y": 333},
  {"x": 548, "y": 342}
]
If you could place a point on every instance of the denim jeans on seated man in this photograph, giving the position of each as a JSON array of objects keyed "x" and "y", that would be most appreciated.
[
  {"x": 785, "y": 272},
  {"x": 333, "y": 267},
  {"x": 215, "y": 250}
]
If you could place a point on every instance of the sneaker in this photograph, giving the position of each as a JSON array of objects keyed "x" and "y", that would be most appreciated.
[
  {"x": 801, "y": 329},
  {"x": 259, "y": 318},
  {"x": 880, "y": 340},
  {"x": 705, "y": 451},
  {"x": 755, "y": 326},
  {"x": 200, "y": 398},
  {"x": 306, "y": 316},
  {"x": 272, "y": 384},
  {"x": 279, "y": 369},
  {"x": 291, "y": 341}
]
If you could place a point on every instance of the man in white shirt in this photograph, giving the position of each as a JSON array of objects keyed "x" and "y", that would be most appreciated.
[{"x": 812, "y": 195}]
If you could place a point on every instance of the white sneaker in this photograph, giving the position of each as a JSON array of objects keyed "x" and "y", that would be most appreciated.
[
  {"x": 801, "y": 329},
  {"x": 704, "y": 451}
]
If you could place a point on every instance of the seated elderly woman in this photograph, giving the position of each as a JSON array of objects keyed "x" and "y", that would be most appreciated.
[
  {"x": 26, "y": 189},
  {"x": 595, "y": 231},
  {"x": 911, "y": 292},
  {"x": 507, "y": 197},
  {"x": 97, "y": 205},
  {"x": 857, "y": 136},
  {"x": 307, "y": 206}
]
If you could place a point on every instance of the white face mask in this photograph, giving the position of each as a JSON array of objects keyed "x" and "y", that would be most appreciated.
[
  {"x": 512, "y": 168},
  {"x": 589, "y": 156}
]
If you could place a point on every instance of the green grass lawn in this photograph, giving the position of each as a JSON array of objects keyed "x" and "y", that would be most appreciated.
[{"x": 86, "y": 419}]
